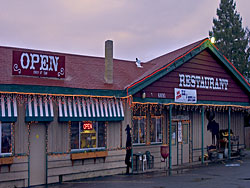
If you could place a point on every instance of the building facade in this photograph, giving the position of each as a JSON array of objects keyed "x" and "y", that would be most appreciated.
[{"x": 63, "y": 117}]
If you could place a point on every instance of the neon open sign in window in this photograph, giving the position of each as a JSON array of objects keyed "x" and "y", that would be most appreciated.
[{"x": 87, "y": 126}]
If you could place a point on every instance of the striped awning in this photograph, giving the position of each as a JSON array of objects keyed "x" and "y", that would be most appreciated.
[
  {"x": 8, "y": 110},
  {"x": 39, "y": 108},
  {"x": 91, "y": 109}
]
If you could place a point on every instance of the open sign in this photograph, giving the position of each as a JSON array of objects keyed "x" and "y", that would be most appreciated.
[
  {"x": 87, "y": 125},
  {"x": 38, "y": 64}
]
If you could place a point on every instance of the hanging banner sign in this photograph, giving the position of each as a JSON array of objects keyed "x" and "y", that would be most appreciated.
[
  {"x": 38, "y": 64},
  {"x": 185, "y": 95}
]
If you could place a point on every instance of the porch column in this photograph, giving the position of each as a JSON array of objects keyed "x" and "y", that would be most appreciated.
[
  {"x": 170, "y": 137},
  {"x": 202, "y": 135},
  {"x": 229, "y": 135}
]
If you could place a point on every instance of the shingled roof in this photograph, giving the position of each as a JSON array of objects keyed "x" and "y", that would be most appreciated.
[{"x": 87, "y": 73}]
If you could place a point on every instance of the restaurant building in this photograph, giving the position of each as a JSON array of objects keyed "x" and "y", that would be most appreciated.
[{"x": 63, "y": 116}]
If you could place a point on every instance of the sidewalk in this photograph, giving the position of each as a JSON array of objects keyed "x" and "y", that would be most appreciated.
[
  {"x": 152, "y": 177},
  {"x": 197, "y": 164}
]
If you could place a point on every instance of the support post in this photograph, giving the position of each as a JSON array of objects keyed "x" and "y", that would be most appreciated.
[
  {"x": 170, "y": 137},
  {"x": 202, "y": 135},
  {"x": 229, "y": 132},
  {"x": 132, "y": 136}
]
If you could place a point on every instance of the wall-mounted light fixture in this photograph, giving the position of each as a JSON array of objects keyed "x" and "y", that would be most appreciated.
[{"x": 143, "y": 95}]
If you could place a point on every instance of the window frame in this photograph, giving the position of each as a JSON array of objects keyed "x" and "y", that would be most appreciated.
[
  {"x": 139, "y": 118},
  {"x": 184, "y": 123},
  {"x": 11, "y": 149},
  {"x": 174, "y": 126},
  {"x": 79, "y": 138},
  {"x": 160, "y": 117}
]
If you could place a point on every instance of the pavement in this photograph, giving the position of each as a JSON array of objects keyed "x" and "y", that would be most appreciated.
[{"x": 223, "y": 173}]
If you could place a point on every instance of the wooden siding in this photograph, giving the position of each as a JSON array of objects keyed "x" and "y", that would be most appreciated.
[
  {"x": 113, "y": 135},
  {"x": 247, "y": 137},
  {"x": 21, "y": 132},
  {"x": 125, "y": 122},
  {"x": 58, "y": 132},
  {"x": 60, "y": 166},
  {"x": 16, "y": 175},
  {"x": 203, "y": 64}
]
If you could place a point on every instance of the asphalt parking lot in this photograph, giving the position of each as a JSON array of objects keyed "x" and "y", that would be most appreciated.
[{"x": 230, "y": 174}]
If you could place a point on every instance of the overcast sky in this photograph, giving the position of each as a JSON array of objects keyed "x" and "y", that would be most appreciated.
[{"x": 139, "y": 28}]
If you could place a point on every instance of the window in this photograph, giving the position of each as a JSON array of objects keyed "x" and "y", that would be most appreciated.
[
  {"x": 86, "y": 135},
  {"x": 180, "y": 132},
  {"x": 139, "y": 133},
  {"x": 174, "y": 124},
  {"x": 156, "y": 129},
  {"x": 185, "y": 132},
  {"x": 5, "y": 141}
]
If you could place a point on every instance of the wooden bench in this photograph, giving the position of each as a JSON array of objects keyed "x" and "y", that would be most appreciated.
[{"x": 88, "y": 155}]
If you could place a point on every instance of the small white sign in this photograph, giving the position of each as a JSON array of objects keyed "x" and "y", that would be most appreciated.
[
  {"x": 179, "y": 132},
  {"x": 161, "y": 95},
  {"x": 185, "y": 95}
]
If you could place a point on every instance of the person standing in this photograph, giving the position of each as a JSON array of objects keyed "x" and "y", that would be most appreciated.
[{"x": 128, "y": 149}]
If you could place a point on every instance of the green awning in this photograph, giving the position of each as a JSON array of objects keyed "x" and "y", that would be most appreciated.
[
  {"x": 90, "y": 109},
  {"x": 8, "y": 110},
  {"x": 39, "y": 108}
]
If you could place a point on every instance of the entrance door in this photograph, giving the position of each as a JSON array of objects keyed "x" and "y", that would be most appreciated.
[
  {"x": 37, "y": 154},
  {"x": 180, "y": 141}
]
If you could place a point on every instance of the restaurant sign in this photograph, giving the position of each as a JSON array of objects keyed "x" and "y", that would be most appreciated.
[
  {"x": 38, "y": 64},
  {"x": 185, "y": 95},
  {"x": 204, "y": 82}
]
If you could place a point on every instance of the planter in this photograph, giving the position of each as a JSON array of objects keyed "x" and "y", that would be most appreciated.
[
  {"x": 6, "y": 161},
  {"x": 88, "y": 155}
]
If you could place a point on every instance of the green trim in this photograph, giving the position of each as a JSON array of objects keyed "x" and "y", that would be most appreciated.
[
  {"x": 6, "y": 155},
  {"x": 152, "y": 100},
  {"x": 192, "y": 140},
  {"x": 8, "y": 119},
  {"x": 167, "y": 101},
  {"x": 229, "y": 133},
  {"x": 86, "y": 150},
  {"x": 59, "y": 90},
  {"x": 224, "y": 103},
  {"x": 21, "y": 154},
  {"x": 207, "y": 44},
  {"x": 29, "y": 158},
  {"x": 40, "y": 119},
  {"x": 202, "y": 135},
  {"x": 132, "y": 139},
  {"x": 61, "y": 119},
  {"x": 170, "y": 137},
  {"x": 46, "y": 153},
  {"x": 58, "y": 153},
  {"x": 230, "y": 67}
]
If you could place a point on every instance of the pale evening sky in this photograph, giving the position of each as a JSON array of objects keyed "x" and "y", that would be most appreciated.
[{"x": 139, "y": 28}]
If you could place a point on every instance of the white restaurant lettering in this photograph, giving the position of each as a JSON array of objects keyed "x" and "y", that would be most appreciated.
[
  {"x": 47, "y": 63},
  {"x": 205, "y": 82}
]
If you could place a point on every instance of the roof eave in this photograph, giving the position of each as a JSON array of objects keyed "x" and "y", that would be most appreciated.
[{"x": 144, "y": 82}]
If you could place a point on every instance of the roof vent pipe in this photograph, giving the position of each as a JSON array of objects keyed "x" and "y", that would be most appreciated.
[{"x": 108, "y": 62}]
